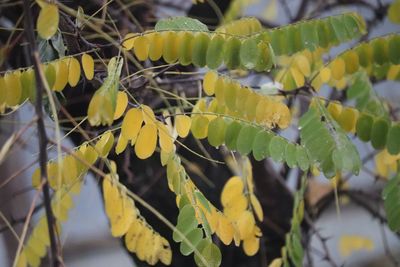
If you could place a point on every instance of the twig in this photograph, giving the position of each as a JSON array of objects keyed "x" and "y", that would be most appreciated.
[{"x": 29, "y": 32}]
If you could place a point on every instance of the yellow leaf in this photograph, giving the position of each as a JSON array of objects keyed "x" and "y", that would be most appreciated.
[
  {"x": 21, "y": 261},
  {"x": 349, "y": 244},
  {"x": 392, "y": 73},
  {"x": 68, "y": 170},
  {"x": 88, "y": 66},
  {"x": 338, "y": 68},
  {"x": 182, "y": 125},
  {"x": 103, "y": 146},
  {"x": 121, "y": 223},
  {"x": 141, "y": 47},
  {"x": 165, "y": 138},
  {"x": 335, "y": 109},
  {"x": 235, "y": 207},
  {"x": 148, "y": 115},
  {"x": 156, "y": 46},
  {"x": 100, "y": 110},
  {"x": 348, "y": 119},
  {"x": 129, "y": 40},
  {"x": 14, "y": 88},
  {"x": 121, "y": 144},
  {"x": 132, "y": 123},
  {"x": 47, "y": 22},
  {"x": 166, "y": 253},
  {"x": 122, "y": 103},
  {"x": 62, "y": 75},
  {"x": 394, "y": 12},
  {"x": 303, "y": 65},
  {"x": 225, "y": 230},
  {"x": 245, "y": 224},
  {"x": 210, "y": 78},
  {"x": 232, "y": 188},
  {"x": 297, "y": 76},
  {"x": 251, "y": 245},
  {"x": 146, "y": 141},
  {"x": 325, "y": 74},
  {"x": 257, "y": 207},
  {"x": 276, "y": 263},
  {"x": 31, "y": 257},
  {"x": 74, "y": 71}
]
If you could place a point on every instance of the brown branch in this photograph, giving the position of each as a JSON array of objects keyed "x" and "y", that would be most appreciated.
[{"x": 42, "y": 136}]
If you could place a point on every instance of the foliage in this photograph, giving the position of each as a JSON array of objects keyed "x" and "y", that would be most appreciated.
[{"x": 242, "y": 122}]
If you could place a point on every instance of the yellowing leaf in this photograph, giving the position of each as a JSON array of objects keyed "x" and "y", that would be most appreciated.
[
  {"x": 122, "y": 103},
  {"x": 349, "y": 244},
  {"x": 297, "y": 76},
  {"x": 394, "y": 12},
  {"x": 148, "y": 115},
  {"x": 165, "y": 138},
  {"x": 233, "y": 188},
  {"x": 104, "y": 145},
  {"x": 129, "y": 40},
  {"x": 121, "y": 144},
  {"x": 182, "y": 125},
  {"x": 210, "y": 78},
  {"x": 146, "y": 141},
  {"x": 251, "y": 245},
  {"x": 338, "y": 68},
  {"x": 88, "y": 66},
  {"x": 74, "y": 71},
  {"x": 47, "y": 23},
  {"x": 276, "y": 263},
  {"x": 14, "y": 88},
  {"x": 303, "y": 65},
  {"x": 225, "y": 230},
  {"x": 325, "y": 74},
  {"x": 246, "y": 224},
  {"x": 62, "y": 75},
  {"x": 132, "y": 123},
  {"x": 141, "y": 47}
]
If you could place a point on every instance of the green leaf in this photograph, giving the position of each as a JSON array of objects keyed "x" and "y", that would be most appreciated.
[
  {"x": 216, "y": 131},
  {"x": 186, "y": 222},
  {"x": 393, "y": 139},
  {"x": 232, "y": 53},
  {"x": 379, "y": 132},
  {"x": 364, "y": 127},
  {"x": 394, "y": 12},
  {"x": 249, "y": 53},
  {"x": 261, "y": 145},
  {"x": 198, "y": 127},
  {"x": 199, "y": 51},
  {"x": 391, "y": 197},
  {"x": 185, "y": 48},
  {"x": 302, "y": 158},
  {"x": 180, "y": 24},
  {"x": 380, "y": 50},
  {"x": 393, "y": 47},
  {"x": 309, "y": 35},
  {"x": 231, "y": 135},
  {"x": 245, "y": 139},
  {"x": 210, "y": 252},
  {"x": 194, "y": 237},
  {"x": 215, "y": 55},
  {"x": 277, "y": 148},
  {"x": 290, "y": 155}
]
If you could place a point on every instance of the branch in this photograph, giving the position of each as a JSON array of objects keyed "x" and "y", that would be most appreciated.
[{"x": 42, "y": 136}]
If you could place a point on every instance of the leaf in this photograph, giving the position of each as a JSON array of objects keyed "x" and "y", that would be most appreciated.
[
  {"x": 215, "y": 56},
  {"x": 74, "y": 71},
  {"x": 364, "y": 127},
  {"x": 186, "y": 40},
  {"x": 379, "y": 132},
  {"x": 394, "y": 12},
  {"x": 122, "y": 103},
  {"x": 245, "y": 139},
  {"x": 216, "y": 132},
  {"x": 277, "y": 147},
  {"x": 391, "y": 197},
  {"x": 182, "y": 125},
  {"x": 251, "y": 246},
  {"x": 194, "y": 237},
  {"x": 249, "y": 53},
  {"x": 180, "y": 24},
  {"x": 210, "y": 252},
  {"x": 290, "y": 155},
  {"x": 186, "y": 222},
  {"x": 165, "y": 139},
  {"x": 47, "y": 23},
  {"x": 199, "y": 126},
  {"x": 257, "y": 207},
  {"x": 261, "y": 145},
  {"x": 13, "y": 83},
  {"x": 231, "y": 135},
  {"x": 88, "y": 66},
  {"x": 105, "y": 143},
  {"x": 141, "y": 47},
  {"x": 146, "y": 141},
  {"x": 232, "y": 53},
  {"x": 209, "y": 80},
  {"x": 393, "y": 139},
  {"x": 132, "y": 123},
  {"x": 62, "y": 75},
  {"x": 199, "y": 49},
  {"x": 233, "y": 188}
]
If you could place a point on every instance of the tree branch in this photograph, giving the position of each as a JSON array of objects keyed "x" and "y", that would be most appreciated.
[{"x": 42, "y": 136}]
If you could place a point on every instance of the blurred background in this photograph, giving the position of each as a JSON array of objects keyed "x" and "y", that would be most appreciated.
[{"x": 86, "y": 236}]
